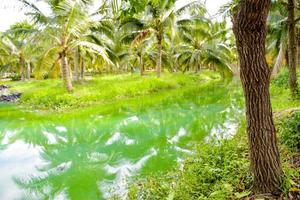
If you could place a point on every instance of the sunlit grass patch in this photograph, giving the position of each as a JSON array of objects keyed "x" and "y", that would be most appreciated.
[{"x": 50, "y": 94}]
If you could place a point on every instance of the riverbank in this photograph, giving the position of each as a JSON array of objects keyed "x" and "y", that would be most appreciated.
[
  {"x": 218, "y": 172},
  {"x": 165, "y": 120},
  {"x": 86, "y": 152},
  {"x": 220, "y": 168},
  {"x": 49, "y": 95}
]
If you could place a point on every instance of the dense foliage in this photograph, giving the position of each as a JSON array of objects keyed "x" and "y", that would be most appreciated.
[
  {"x": 282, "y": 79},
  {"x": 118, "y": 36},
  {"x": 73, "y": 38},
  {"x": 290, "y": 131}
]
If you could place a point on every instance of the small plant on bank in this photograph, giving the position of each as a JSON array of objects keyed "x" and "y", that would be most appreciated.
[{"x": 290, "y": 131}]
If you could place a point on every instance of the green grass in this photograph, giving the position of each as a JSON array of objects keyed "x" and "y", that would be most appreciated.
[
  {"x": 101, "y": 90},
  {"x": 280, "y": 93}
]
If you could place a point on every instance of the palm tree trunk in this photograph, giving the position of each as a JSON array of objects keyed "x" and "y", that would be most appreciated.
[
  {"x": 28, "y": 70},
  {"x": 298, "y": 55},
  {"x": 176, "y": 68},
  {"x": 159, "y": 48},
  {"x": 22, "y": 67},
  {"x": 186, "y": 69},
  {"x": 286, "y": 55},
  {"x": 197, "y": 68},
  {"x": 82, "y": 68},
  {"x": 65, "y": 72},
  {"x": 250, "y": 29},
  {"x": 141, "y": 65},
  {"x": 298, "y": 46},
  {"x": 279, "y": 60},
  {"x": 76, "y": 63},
  {"x": 292, "y": 49}
]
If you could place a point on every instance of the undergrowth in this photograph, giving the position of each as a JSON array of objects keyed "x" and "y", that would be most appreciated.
[
  {"x": 222, "y": 171},
  {"x": 290, "y": 131},
  {"x": 218, "y": 170},
  {"x": 280, "y": 93}
]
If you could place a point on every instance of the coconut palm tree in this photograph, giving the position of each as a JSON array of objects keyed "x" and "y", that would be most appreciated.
[
  {"x": 18, "y": 46},
  {"x": 155, "y": 17},
  {"x": 277, "y": 37},
  {"x": 292, "y": 48},
  {"x": 205, "y": 44},
  {"x": 282, "y": 39},
  {"x": 66, "y": 27},
  {"x": 117, "y": 33}
]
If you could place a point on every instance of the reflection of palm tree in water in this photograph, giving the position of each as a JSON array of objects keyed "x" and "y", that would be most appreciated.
[
  {"x": 92, "y": 152},
  {"x": 73, "y": 167},
  {"x": 2, "y": 146},
  {"x": 76, "y": 163}
]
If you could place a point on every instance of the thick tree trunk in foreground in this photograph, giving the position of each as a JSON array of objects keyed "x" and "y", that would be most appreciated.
[
  {"x": 65, "y": 72},
  {"x": 159, "y": 48},
  {"x": 250, "y": 30},
  {"x": 292, "y": 49}
]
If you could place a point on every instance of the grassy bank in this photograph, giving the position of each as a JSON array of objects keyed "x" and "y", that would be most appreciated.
[
  {"x": 102, "y": 90},
  {"x": 109, "y": 89},
  {"x": 220, "y": 169},
  {"x": 280, "y": 93},
  {"x": 218, "y": 172}
]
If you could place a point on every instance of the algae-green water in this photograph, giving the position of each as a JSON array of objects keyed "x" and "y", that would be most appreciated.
[{"x": 92, "y": 153}]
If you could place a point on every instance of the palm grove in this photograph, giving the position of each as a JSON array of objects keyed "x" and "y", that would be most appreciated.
[{"x": 120, "y": 36}]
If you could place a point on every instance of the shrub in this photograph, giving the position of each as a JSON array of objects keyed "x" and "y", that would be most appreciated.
[
  {"x": 282, "y": 80},
  {"x": 289, "y": 130},
  {"x": 16, "y": 77}
]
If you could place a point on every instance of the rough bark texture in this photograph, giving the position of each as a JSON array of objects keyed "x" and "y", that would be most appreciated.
[
  {"x": 250, "y": 29},
  {"x": 292, "y": 49},
  {"x": 66, "y": 72},
  {"x": 159, "y": 48}
]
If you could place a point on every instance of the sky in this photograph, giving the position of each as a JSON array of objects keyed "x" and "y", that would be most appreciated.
[{"x": 10, "y": 13}]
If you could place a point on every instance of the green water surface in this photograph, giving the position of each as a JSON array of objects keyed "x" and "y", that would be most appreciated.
[{"x": 93, "y": 153}]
